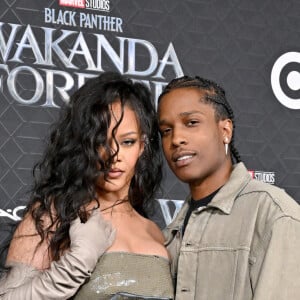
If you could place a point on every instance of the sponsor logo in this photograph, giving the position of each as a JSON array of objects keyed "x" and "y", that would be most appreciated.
[
  {"x": 72, "y": 3},
  {"x": 285, "y": 79},
  {"x": 12, "y": 214},
  {"x": 169, "y": 208},
  {"x": 101, "y": 5},
  {"x": 268, "y": 177}
]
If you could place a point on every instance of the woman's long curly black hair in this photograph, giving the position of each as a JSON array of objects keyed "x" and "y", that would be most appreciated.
[
  {"x": 214, "y": 95},
  {"x": 65, "y": 179}
]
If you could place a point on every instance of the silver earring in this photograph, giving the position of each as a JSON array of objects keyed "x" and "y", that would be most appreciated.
[
  {"x": 226, "y": 145},
  {"x": 226, "y": 148}
]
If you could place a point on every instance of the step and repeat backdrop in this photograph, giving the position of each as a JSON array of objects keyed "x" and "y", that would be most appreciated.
[{"x": 50, "y": 48}]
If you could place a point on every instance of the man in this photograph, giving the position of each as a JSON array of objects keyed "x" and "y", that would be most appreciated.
[{"x": 235, "y": 237}]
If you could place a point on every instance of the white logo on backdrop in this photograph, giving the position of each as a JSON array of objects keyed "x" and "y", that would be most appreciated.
[
  {"x": 169, "y": 209},
  {"x": 166, "y": 209},
  {"x": 12, "y": 213},
  {"x": 293, "y": 79}
]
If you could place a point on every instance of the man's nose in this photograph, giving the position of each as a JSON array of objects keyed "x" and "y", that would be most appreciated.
[{"x": 178, "y": 138}]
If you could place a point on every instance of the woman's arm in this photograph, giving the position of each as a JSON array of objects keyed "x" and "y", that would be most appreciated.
[{"x": 62, "y": 279}]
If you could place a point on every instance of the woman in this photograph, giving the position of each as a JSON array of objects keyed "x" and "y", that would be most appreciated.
[{"x": 87, "y": 211}]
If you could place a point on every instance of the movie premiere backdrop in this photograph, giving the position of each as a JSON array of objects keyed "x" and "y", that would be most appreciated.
[{"x": 48, "y": 49}]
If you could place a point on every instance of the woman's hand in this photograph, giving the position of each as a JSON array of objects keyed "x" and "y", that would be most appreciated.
[{"x": 96, "y": 234}]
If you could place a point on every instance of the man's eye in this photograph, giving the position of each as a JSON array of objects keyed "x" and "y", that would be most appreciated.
[
  {"x": 192, "y": 122},
  {"x": 165, "y": 131}
]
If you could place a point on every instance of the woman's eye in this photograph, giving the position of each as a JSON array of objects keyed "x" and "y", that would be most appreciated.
[{"x": 128, "y": 142}]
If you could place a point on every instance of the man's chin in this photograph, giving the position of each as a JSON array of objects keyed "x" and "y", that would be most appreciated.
[{"x": 186, "y": 178}]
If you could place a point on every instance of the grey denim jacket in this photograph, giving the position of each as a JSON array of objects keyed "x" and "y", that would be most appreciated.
[{"x": 244, "y": 245}]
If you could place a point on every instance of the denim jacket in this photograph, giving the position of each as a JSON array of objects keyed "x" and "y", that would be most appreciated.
[{"x": 244, "y": 245}]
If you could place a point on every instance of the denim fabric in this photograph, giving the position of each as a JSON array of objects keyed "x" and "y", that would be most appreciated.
[{"x": 244, "y": 245}]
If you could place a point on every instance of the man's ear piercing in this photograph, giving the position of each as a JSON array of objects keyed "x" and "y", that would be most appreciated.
[{"x": 226, "y": 145}]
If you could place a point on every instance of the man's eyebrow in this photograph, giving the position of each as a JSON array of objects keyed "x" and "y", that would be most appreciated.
[
  {"x": 182, "y": 114},
  {"x": 192, "y": 112}
]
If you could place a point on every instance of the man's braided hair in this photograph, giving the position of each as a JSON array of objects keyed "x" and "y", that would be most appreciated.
[{"x": 214, "y": 95}]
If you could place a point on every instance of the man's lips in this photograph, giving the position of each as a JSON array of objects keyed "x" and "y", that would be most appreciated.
[
  {"x": 182, "y": 155},
  {"x": 183, "y": 158}
]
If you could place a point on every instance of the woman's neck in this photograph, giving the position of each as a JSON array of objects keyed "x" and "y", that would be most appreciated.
[{"x": 119, "y": 205}]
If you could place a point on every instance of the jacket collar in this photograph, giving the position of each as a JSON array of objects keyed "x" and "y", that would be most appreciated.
[
  {"x": 224, "y": 199},
  {"x": 226, "y": 196}
]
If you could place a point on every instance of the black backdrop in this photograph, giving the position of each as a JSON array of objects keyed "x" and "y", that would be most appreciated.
[{"x": 249, "y": 47}]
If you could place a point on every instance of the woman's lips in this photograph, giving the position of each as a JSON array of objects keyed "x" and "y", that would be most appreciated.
[{"x": 115, "y": 173}]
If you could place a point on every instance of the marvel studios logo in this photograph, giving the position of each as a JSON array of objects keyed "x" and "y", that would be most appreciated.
[
  {"x": 268, "y": 177},
  {"x": 102, "y": 5}
]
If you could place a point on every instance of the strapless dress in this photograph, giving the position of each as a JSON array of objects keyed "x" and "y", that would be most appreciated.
[{"x": 124, "y": 275}]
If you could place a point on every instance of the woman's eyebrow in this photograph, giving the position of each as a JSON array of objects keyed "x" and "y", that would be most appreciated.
[{"x": 129, "y": 133}]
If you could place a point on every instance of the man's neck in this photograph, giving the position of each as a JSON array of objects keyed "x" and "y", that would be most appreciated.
[{"x": 202, "y": 189}]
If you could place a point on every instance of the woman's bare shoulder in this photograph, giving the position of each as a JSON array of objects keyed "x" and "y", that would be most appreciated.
[
  {"x": 25, "y": 246},
  {"x": 154, "y": 231}
]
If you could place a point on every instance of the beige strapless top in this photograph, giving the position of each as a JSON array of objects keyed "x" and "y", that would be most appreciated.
[{"x": 139, "y": 274}]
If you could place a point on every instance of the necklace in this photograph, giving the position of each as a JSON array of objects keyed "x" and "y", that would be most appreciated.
[{"x": 118, "y": 202}]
